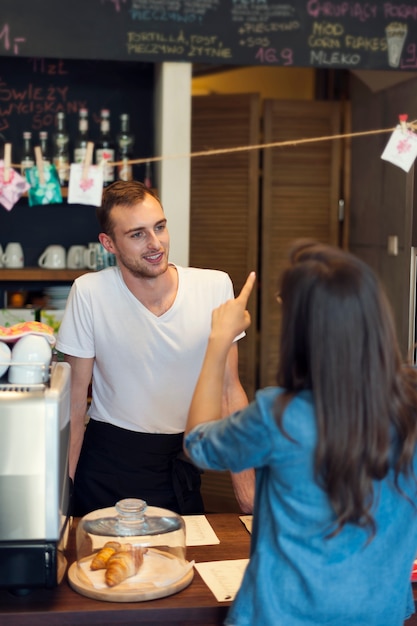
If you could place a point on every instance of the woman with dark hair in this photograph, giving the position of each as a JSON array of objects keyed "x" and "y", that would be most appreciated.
[{"x": 334, "y": 448}]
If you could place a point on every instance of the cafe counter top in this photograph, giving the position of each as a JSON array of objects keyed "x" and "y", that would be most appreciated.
[{"x": 193, "y": 606}]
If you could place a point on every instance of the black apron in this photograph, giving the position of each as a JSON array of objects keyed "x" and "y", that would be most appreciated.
[{"x": 116, "y": 463}]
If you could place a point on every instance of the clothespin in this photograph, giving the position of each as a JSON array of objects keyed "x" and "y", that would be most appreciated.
[
  {"x": 403, "y": 122},
  {"x": 88, "y": 159},
  {"x": 39, "y": 165},
  {"x": 7, "y": 162}
]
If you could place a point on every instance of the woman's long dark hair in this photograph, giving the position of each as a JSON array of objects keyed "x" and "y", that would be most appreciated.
[{"x": 338, "y": 340}]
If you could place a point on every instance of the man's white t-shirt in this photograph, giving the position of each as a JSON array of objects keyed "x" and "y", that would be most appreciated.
[{"x": 145, "y": 367}]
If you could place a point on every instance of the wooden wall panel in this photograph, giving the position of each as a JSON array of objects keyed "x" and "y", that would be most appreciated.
[
  {"x": 224, "y": 225},
  {"x": 225, "y": 200},
  {"x": 300, "y": 195},
  {"x": 384, "y": 200}
]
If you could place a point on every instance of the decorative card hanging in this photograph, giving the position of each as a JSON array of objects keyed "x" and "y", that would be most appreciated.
[
  {"x": 86, "y": 189},
  {"x": 401, "y": 149},
  {"x": 12, "y": 184},
  {"x": 12, "y": 189},
  {"x": 86, "y": 181},
  {"x": 44, "y": 182}
]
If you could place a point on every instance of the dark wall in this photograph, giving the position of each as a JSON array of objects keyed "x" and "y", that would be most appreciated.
[{"x": 31, "y": 92}]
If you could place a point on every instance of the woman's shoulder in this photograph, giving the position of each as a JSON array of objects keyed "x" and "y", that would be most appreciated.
[
  {"x": 300, "y": 398},
  {"x": 298, "y": 408}
]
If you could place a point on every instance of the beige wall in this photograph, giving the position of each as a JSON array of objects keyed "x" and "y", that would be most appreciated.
[
  {"x": 173, "y": 124},
  {"x": 271, "y": 82}
]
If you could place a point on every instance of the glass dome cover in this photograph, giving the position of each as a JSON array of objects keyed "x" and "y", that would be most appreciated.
[
  {"x": 148, "y": 542},
  {"x": 133, "y": 520}
]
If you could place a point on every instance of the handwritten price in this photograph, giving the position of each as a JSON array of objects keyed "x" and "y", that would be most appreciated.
[
  {"x": 117, "y": 4},
  {"x": 270, "y": 55},
  {"x": 7, "y": 40}
]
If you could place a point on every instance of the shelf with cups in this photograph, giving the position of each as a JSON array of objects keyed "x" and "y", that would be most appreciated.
[{"x": 27, "y": 274}]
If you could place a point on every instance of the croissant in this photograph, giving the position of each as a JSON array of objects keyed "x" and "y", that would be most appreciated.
[
  {"x": 122, "y": 565},
  {"x": 103, "y": 555}
]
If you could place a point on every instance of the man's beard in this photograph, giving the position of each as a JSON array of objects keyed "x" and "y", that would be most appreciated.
[{"x": 141, "y": 269}]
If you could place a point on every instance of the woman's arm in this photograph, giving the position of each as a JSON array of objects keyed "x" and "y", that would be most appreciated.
[
  {"x": 218, "y": 392},
  {"x": 228, "y": 320}
]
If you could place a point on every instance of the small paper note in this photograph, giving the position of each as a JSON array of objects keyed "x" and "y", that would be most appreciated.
[
  {"x": 11, "y": 189},
  {"x": 198, "y": 531},
  {"x": 401, "y": 149},
  {"x": 223, "y": 577},
  {"x": 247, "y": 522},
  {"x": 85, "y": 185},
  {"x": 46, "y": 192}
]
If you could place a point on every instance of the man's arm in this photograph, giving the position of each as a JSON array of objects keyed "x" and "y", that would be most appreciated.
[
  {"x": 81, "y": 373},
  {"x": 234, "y": 399}
]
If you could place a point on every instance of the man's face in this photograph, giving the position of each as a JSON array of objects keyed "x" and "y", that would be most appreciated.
[{"x": 140, "y": 238}]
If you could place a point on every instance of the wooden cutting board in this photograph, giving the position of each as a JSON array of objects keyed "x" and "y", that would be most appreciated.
[{"x": 126, "y": 591}]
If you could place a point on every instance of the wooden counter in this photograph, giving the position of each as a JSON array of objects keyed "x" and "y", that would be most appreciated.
[{"x": 194, "y": 606}]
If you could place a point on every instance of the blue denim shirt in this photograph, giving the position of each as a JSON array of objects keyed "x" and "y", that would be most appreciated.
[{"x": 297, "y": 576}]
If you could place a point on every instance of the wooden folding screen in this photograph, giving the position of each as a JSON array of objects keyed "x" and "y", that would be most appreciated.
[
  {"x": 225, "y": 199},
  {"x": 233, "y": 229},
  {"x": 224, "y": 223},
  {"x": 300, "y": 198}
]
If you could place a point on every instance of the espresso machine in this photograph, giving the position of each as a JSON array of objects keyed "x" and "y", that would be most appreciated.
[{"x": 34, "y": 482}]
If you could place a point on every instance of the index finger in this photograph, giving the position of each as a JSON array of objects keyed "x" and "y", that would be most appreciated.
[{"x": 247, "y": 289}]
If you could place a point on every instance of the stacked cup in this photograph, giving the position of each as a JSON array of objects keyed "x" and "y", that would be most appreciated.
[
  {"x": 13, "y": 256},
  {"x": 54, "y": 257}
]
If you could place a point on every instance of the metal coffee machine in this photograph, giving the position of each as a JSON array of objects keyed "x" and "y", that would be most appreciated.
[{"x": 34, "y": 482}]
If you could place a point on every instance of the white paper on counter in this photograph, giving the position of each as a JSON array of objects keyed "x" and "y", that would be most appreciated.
[
  {"x": 198, "y": 531},
  {"x": 223, "y": 578},
  {"x": 247, "y": 522}
]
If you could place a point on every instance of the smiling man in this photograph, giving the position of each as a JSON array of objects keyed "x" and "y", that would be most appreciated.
[{"x": 139, "y": 332}]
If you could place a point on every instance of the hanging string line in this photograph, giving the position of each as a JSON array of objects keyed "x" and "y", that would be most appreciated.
[
  {"x": 275, "y": 144},
  {"x": 261, "y": 146}
]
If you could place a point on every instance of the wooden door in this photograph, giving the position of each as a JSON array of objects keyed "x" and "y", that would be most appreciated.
[
  {"x": 224, "y": 225},
  {"x": 384, "y": 199},
  {"x": 225, "y": 200},
  {"x": 300, "y": 198}
]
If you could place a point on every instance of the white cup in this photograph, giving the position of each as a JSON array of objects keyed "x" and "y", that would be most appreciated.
[
  {"x": 5, "y": 357},
  {"x": 53, "y": 257},
  {"x": 13, "y": 255},
  {"x": 75, "y": 257},
  {"x": 30, "y": 361},
  {"x": 92, "y": 255}
]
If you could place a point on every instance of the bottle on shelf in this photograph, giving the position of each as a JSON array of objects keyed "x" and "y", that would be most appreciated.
[
  {"x": 125, "y": 141},
  {"x": 44, "y": 146},
  {"x": 61, "y": 149},
  {"x": 28, "y": 156},
  {"x": 80, "y": 145},
  {"x": 148, "y": 175},
  {"x": 105, "y": 147}
]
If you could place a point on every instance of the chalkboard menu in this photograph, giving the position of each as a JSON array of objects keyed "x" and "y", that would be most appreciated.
[
  {"x": 309, "y": 33},
  {"x": 34, "y": 90}
]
